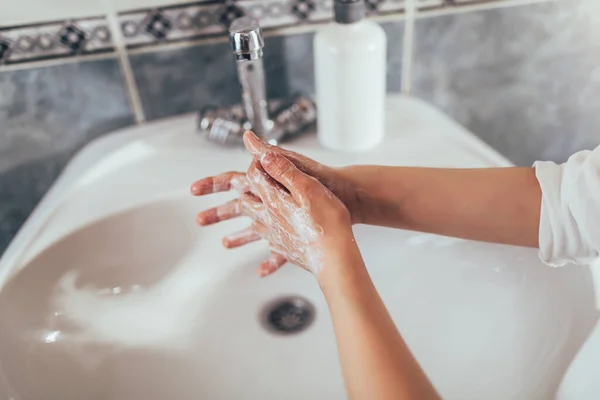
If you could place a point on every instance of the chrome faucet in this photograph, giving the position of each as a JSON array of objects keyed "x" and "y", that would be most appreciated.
[
  {"x": 227, "y": 125},
  {"x": 247, "y": 44}
]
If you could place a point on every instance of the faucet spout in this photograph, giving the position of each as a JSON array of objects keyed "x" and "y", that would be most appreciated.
[{"x": 247, "y": 43}]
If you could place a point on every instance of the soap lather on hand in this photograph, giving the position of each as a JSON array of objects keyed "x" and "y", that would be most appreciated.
[{"x": 278, "y": 193}]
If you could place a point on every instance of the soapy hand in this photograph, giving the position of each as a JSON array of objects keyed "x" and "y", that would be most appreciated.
[
  {"x": 337, "y": 180},
  {"x": 301, "y": 219},
  {"x": 278, "y": 196}
]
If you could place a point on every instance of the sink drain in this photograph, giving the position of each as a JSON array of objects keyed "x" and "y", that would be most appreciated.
[{"x": 288, "y": 316}]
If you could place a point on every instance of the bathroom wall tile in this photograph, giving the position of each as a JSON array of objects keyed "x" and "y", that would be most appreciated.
[
  {"x": 180, "y": 80},
  {"x": 422, "y": 4},
  {"x": 147, "y": 27},
  {"x": 47, "y": 114},
  {"x": 526, "y": 79},
  {"x": 21, "y": 188},
  {"x": 395, "y": 44},
  {"x": 69, "y": 38},
  {"x": 13, "y": 12},
  {"x": 73, "y": 37},
  {"x": 125, "y": 5}
]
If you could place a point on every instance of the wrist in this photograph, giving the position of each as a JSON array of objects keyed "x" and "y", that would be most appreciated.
[
  {"x": 374, "y": 199},
  {"x": 341, "y": 265},
  {"x": 355, "y": 195}
]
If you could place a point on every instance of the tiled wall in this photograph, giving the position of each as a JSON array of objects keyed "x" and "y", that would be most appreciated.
[
  {"x": 526, "y": 79},
  {"x": 521, "y": 74}
]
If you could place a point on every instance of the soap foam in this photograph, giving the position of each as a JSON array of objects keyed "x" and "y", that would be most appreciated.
[{"x": 298, "y": 244}]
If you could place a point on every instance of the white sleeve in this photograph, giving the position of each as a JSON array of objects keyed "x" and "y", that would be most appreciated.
[{"x": 570, "y": 214}]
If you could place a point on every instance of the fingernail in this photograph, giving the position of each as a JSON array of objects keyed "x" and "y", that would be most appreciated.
[
  {"x": 252, "y": 142},
  {"x": 262, "y": 272},
  {"x": 195, "y": 189},
  {"x": 252, "y": 135},
  {"x": 201, "y": 220}
]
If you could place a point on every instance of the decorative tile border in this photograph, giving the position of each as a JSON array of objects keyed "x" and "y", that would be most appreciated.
[
  {"x": 55, "y": 39},
  {"x": 204, "y": 18},
  {"x": 422, "y": 4},
  {"x": 431, "y": 3},
  {"x": 191, "y": 21}
]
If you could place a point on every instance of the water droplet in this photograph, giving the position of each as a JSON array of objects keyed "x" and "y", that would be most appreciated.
[{"x": 51, "y": 337}]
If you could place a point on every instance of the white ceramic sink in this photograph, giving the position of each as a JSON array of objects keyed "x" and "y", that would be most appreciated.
[{"x": 110, "y": 290}]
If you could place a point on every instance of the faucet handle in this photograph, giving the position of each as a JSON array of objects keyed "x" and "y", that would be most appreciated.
[{"x": 246, "y": 38}]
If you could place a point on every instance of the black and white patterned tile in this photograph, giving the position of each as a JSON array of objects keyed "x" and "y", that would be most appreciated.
[
  {"x": 172, "y": 80},
  {"x": 471, "y": 1},
  {"x": 426, "y": 5},
  {"x": 56, "y": 39},
  {"x": 191, "y": 21},
  {"x": 177, "y": 22}
]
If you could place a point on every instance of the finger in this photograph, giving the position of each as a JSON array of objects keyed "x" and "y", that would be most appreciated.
[
  {"x": 267, "y": 188},
  {"x": 255, "y": 145},
  {"x": 241, "y": 238},
  {"x": 275, "y": 198},
  {"x": 253, "y": 207},
  {"x": 288, "y": 175},
  {"x": 221, "y": 183},
  {"x": 274, "y": 263},
  {"x": 223, "y": 212}
]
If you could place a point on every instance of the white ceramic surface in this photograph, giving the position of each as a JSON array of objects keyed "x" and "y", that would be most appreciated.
[{"x": 110, "y": 291}]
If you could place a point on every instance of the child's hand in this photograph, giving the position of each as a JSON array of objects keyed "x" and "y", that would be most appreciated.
[
  {"x": 336, "y": 180},
  {"x": 299, "y": 217},
  {"x": 250, "y": 204}
]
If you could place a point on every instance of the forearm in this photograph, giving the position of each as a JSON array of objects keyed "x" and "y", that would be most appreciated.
[
  {"x": 376, "y": 362},
  {"x": 493, "y": 204}
]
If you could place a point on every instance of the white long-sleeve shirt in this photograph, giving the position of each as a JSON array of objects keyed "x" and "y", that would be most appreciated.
[
  {"x": 570, "y": 214},
  {"x": 570, "y": 232}
]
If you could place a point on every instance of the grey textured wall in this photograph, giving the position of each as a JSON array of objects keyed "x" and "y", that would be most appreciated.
[
  {"x": 526, "y": 79},
  {"x": 46, "y": 115}
]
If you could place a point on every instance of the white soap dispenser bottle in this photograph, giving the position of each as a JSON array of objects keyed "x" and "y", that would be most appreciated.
[{"x": 350, "y": 74}]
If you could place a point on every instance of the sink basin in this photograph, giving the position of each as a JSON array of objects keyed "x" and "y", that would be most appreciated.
[
  {"x": 111, "y": 291},
  {"x": 59, "y": 314}
]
